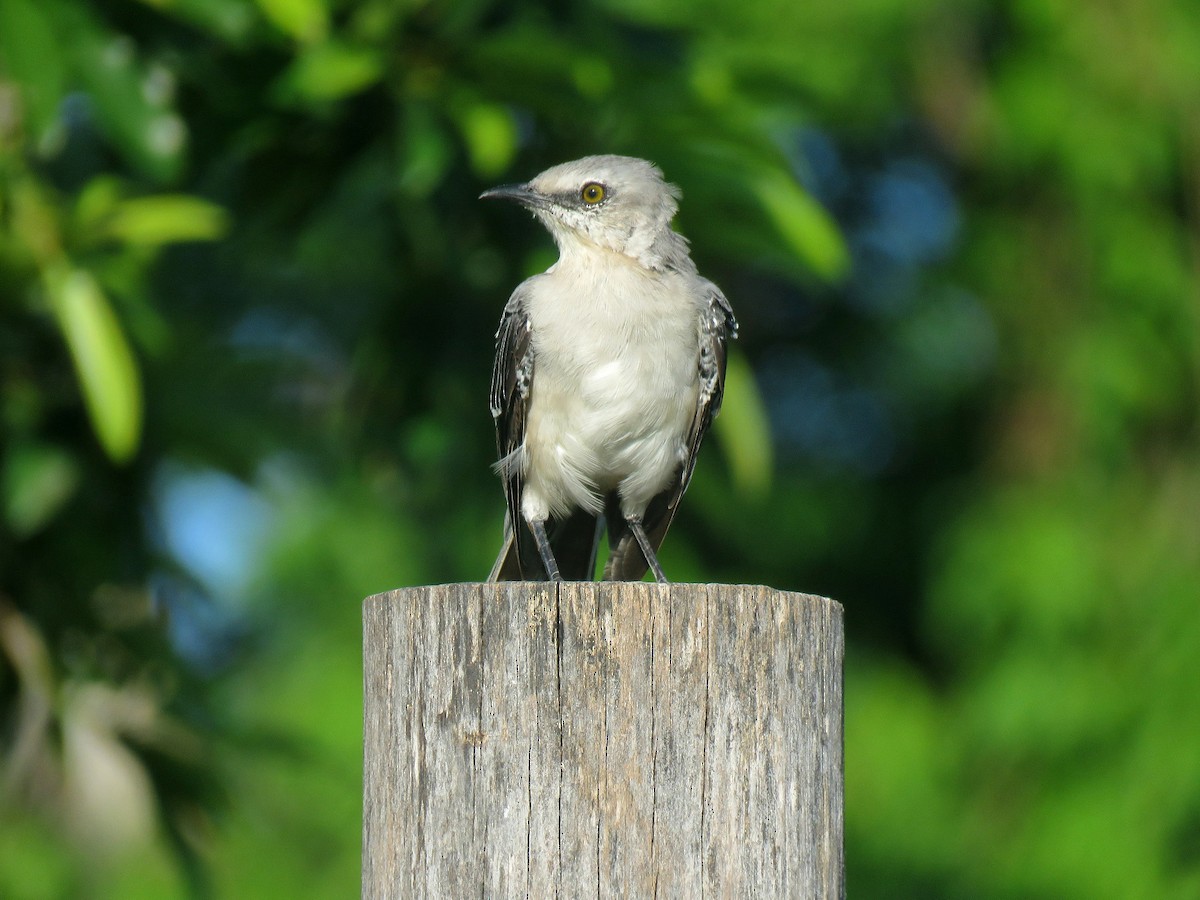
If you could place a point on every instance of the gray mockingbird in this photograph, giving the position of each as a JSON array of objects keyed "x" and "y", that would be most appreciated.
[{"x": 610, "y": 367}]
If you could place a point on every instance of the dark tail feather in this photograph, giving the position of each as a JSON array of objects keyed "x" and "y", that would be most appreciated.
[
  {"x": 574, "y": 541},
  {"x": 507, "y": 566}
]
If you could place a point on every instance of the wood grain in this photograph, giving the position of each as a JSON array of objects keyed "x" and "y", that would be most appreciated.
[{"x": 584, "y": 739}]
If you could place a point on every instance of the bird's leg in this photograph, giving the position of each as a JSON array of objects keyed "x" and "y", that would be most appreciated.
[
  {"x": 538, "y": 527},
  {"x": 635, "y": 525}
]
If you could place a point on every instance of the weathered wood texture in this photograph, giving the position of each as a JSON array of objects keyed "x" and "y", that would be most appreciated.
[{"x": 639, "y": 740}]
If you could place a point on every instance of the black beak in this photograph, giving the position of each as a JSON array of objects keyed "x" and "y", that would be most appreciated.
[{"x": 521, "y": 193}]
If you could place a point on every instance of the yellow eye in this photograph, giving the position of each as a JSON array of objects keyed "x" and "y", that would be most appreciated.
[{"x": 592, "y": 193}]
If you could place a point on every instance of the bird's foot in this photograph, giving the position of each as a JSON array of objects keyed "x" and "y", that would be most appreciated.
[
  {"x": 635, "y": 525},
  {"x": 538, "y": 528}
]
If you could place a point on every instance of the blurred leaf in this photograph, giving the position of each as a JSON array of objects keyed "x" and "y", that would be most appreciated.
[
  {"x": 103, "y": 214},
  {"x": 166, "y": 219},
  {"x": 1008, "y": 713},
  {"x": 1022, "y": 558},
  {"x": 809, "y": 230},
  {"x": 34, "y": 221},
  {"x": 902, "y": 799},
  {"x": 96, "y": 202},
  {"x": 330, "y": 71},
  {"x": 491, "y": 137},
  {"x": 744, "y": 430},
  {"x": 32, "y": 55},
  {"x": 305, "y": 20},
  {"x": 592, "y": 75},
  {"x": 34, "y": 863},
  {"x": 132, "y": 106},
  {"x": 104, "y": 362},
  {"x": 231, "y": 20},
  {"x": 426, "y": 151},
  {"x": 38, "y": 480}
]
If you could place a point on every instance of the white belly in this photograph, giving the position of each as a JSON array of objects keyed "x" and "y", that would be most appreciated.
[{"x": 614, "y": 394}]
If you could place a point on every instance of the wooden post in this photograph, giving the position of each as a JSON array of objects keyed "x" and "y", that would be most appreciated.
[{"x": 630, "y": 739}]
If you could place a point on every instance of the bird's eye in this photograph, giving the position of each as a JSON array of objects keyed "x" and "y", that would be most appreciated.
[{"x": 592, "y": 193}]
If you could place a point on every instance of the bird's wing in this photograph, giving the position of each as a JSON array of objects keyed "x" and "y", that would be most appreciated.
[
  {"x": 717, "y": 328},
  {"x": 512, "y": 378},
  {"x": 574, "y": 538}
]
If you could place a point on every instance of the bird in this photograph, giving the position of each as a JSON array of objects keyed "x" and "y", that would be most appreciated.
[{"x": 609, "y": 370}]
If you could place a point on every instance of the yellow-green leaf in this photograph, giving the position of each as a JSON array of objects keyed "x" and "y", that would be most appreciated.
[
  {"x": 743, "y": 429},
  {"x": 305, "y": 20},
  {"x": 491, "y": 137},
  {"x": 165, "y": 219},
  {"x": 330, "y": 71},
  {"x": 104, "y": 363},
  {"x": 802, "y": 223},
  {"x": 96, "y": 202}
]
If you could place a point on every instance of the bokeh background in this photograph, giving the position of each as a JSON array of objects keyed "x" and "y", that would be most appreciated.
[{"x": 247, "y": 304}]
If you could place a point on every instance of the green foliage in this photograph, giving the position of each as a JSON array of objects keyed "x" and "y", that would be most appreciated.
[
  {"x": 744, "y": 430},
  {"x": 247, "y": 299},
  {"x": 103, "y": 361}
]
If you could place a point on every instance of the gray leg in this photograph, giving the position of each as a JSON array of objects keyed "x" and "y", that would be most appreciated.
[
  {"x": 543, "y": 546},
  {"x": 635, "y": 525}
]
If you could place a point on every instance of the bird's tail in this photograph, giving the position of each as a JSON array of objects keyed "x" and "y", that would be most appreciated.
[{"x": 574, "y": 541}]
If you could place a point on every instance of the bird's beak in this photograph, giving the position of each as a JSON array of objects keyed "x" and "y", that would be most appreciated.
[{"x": 521, "y": 193}]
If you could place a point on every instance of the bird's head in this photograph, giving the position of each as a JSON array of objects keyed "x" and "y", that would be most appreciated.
[{"x": 617, "y": 203}]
